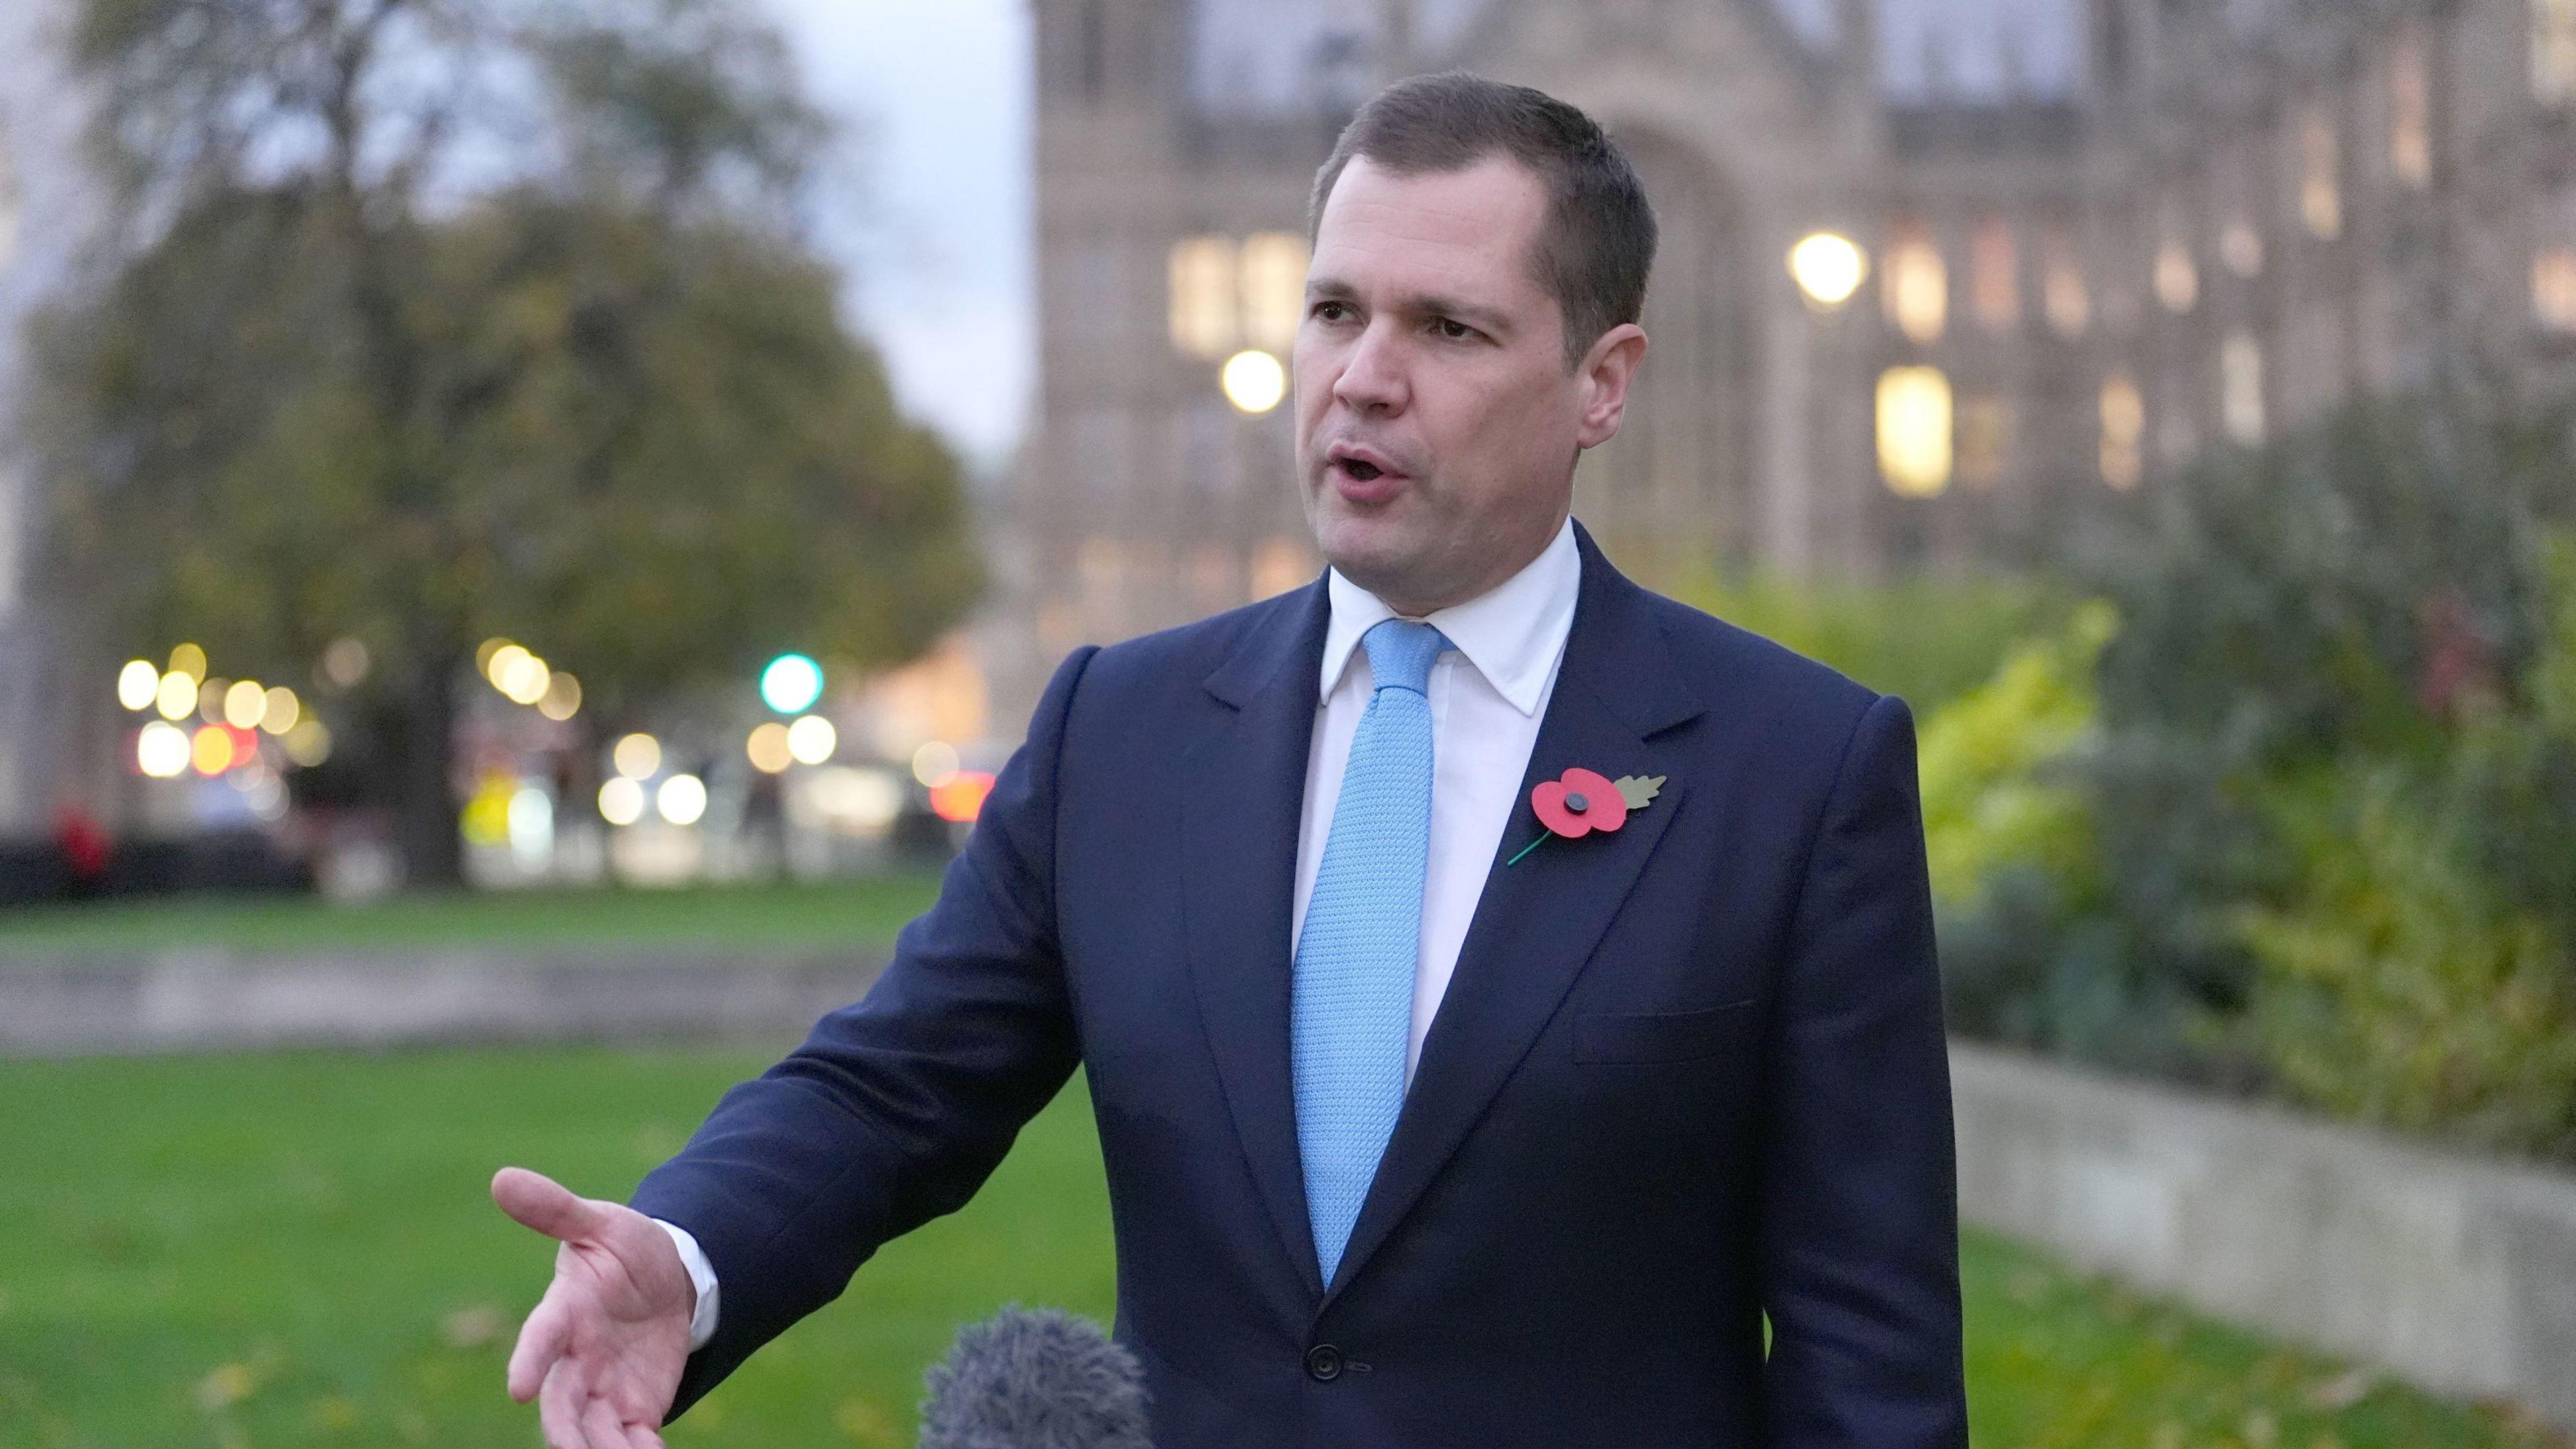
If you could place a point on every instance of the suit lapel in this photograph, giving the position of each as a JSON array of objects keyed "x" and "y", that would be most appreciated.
[
  {"x": 1244, "y": 790},
  {"x": 1537, "y": 922}
]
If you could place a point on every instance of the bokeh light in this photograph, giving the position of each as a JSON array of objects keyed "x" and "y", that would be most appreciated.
[
  {"x": 934, "y": 763},
  {"x": 161, "y": 750},
  {"x": 562, "y": 699},
  {"x": 621, "y": 801},
  {"x": 177, "y": 696},
  {"x": 189, "y": 660},
  {"x": 768, "y": 748},
  {"x": 281, "y": 711},
  {"x": 1253, "y": 381},
  {"x": 960, "y": 798},
  {"x": 682, "y": 799},
  {"x": 245, "y": 704},
  {"x": 524, "y": 677},
  {"x": 1828, "y": 267},
  {"x": 812, "y": 740},
  {"x": 637, "y": 757},
  {"x": 210, "y": 699},
  {"x": 309, "y": 742},
  {"x": 138, "y": 684},
  {"x": 791, "y": 683},
  {"x": 345, "y": 662},
  {"x": 211, "y": 750}
]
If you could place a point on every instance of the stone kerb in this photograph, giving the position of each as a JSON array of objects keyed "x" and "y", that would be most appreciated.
[
  {"x": 220, "y": 1001},
  {"x": 2454, "y": 1272}
]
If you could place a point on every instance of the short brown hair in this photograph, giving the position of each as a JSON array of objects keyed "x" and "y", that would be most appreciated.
[{"x": 1598, "y": 241}]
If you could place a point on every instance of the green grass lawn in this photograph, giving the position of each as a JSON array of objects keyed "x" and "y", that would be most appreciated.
[
  {"x": 865, "y": 910},
  {"x": 293, "y": 1250}
]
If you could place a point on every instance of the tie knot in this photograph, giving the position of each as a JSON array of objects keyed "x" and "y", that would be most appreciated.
[{"x": 1400, "y": 653}]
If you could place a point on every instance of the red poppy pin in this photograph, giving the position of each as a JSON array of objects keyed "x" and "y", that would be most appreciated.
[{"x": 1582, "y": 801}]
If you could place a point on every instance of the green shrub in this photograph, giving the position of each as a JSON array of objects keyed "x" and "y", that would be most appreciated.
[{"x": 1927, "y": 637}]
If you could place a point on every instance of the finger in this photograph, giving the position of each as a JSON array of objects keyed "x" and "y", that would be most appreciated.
[
  {"x": 639, "y": 1437},
  {"x": 559, "y": 1408},
  {"x": 538, "y": 1201},
  {"x": 599, "y": 1424},
  {"x": 541, "y": 1342}
]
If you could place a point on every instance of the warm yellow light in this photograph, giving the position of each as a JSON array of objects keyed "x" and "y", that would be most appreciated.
[
  {"x": 138, "y": 684},
  {"x": 1202, "y": 281},
  {"x": 2553, "y": 288},
  {"x": 487, "y": 651},
  {"x": 934, "y": 762},
  {"x": 682, "y": 799},
  {"x": 1254, "y": 382},
  {"x": 162, "y": 750},
  {"x": 1918, "y": 289},
  {"x": 177, "y": 696},
  {"x": 621, "y": 801},
  {"x": 309, "y": 743},
  {"x": 2177, "y": 277},
  {"x": 189, "y": 660},
  {"x": 637, "y": 756},
  {"x": 211, "y": 751},
  {"x": 562, "y": 699},
  {"x": 812, "y": 740},
  {"x": 1828, "y": 267},
  {"x": 768, "y": 748},
  {"x": 1914, "y": 450},
  {"x": 1274, "y": 288},
  {"x": 523, "y": 678},
  {"x": 245, "y": 704},
  {"x": 2320, "y": 177},
  {"x": 2124, "y": 424},
  {"x": 2240, "y": 388},
  {"x": 505, "y": 660},
  {"x": 281, "y": 710}
]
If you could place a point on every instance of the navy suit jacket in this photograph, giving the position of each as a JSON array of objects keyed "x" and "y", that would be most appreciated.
[{"x": 1686, "y": 1074}]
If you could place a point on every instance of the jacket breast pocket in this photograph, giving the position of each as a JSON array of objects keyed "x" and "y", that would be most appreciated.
[{"x": 1628, "y": 1038}]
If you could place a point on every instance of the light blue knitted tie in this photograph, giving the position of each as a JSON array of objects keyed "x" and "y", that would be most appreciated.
[{"x": 1351, "y": 1009}]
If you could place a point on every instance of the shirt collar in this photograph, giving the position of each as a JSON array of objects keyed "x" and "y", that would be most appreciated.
[{"x": 1512, "y": 632}]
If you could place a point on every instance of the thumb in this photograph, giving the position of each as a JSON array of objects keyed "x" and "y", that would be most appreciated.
[{"x": 538, "y": 1201}]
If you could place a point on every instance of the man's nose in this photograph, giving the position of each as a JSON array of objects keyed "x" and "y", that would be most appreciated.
[{"x": 1373, "y": 376}]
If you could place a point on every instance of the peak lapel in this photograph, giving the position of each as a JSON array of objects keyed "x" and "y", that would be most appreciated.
[
  {"x": 1537, "y": 923},
  {"x": 1244, "y": 793}
]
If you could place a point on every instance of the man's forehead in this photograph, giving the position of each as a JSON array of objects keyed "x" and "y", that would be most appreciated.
[{"x": 1477, "y": 220}]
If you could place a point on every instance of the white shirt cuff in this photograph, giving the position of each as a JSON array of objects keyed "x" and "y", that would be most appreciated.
[{"x": 702, "y": 1274}]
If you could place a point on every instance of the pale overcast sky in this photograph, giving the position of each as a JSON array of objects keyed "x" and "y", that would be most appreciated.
[{"x": 935, "y": 231}]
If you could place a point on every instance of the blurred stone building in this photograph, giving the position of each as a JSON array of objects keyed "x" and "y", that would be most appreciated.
[
  {"x": 45, "y": 211},
  {"x": 2095, "y": 237}
]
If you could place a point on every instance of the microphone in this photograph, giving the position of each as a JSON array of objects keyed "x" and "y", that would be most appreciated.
[{"x": 1040, "y": 1379}]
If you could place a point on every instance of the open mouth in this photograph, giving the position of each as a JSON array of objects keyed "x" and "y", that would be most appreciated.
[{"x": 1363, "y": 472}]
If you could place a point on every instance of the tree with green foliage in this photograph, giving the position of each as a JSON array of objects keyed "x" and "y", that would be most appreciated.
[{"x": 433, "y": 320}]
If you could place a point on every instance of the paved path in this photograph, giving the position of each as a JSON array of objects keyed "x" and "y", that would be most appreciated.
[{"x": 199, "y": 1000}]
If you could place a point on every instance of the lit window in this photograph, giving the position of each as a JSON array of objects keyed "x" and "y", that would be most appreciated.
[
  {"x": 2410, "y": 111},
  {"x": 1274, "y": 288},
  {"x": 1985, "y": 440},
  {"x": 2177, "y": 276},
  {"x": 2124, "y": 424},
  {"x": 2069, "y": 301},
  {"x": 1995, "y": 277},
  {"x": 2240, "y": 388},
  {"x": 2241, "y": 247},
  {"x": 2320, "y": 184},
  {"x": 2553, "y": 289},
  {"x": 2553, "y": 51},
  {"x": 1914, "y": 430},
  {"x": 1918, "y": 286},
  {"x": 1203, "y": 297}
]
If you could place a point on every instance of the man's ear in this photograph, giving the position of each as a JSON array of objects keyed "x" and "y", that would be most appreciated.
[{"x": 1604, "y": 375}]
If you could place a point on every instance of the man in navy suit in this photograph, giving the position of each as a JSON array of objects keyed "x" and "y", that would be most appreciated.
[{"x": 1502, "y": 990}]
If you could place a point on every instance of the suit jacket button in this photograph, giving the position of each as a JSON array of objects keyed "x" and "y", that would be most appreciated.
[{"x": 1324, "y": 1362}]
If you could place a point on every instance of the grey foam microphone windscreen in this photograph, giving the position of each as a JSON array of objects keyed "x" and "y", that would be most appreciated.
[{"x": 1040, "y": 1379}]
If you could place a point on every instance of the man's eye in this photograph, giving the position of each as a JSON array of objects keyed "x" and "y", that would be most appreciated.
[
  {"x": 1453, "y": 330},
  {"x": 1331, "y": 311}
]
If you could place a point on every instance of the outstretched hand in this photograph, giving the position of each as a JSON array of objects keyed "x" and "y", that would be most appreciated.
[{"x": 603, "y": 1350}]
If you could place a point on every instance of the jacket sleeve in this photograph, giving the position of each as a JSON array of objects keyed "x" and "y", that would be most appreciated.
[
  {"x": 1859, "y": 1243},
  {"x": 895, "y": 1109}
]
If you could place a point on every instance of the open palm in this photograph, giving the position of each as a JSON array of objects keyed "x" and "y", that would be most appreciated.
[{"x": 603, "y": 1350}]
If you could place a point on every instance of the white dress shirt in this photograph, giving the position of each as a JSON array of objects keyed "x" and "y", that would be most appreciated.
[{"x": 1488, "y": 693}]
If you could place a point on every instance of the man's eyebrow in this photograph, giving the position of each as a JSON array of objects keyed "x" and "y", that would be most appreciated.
[{"x": 1429, "y": 304}]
